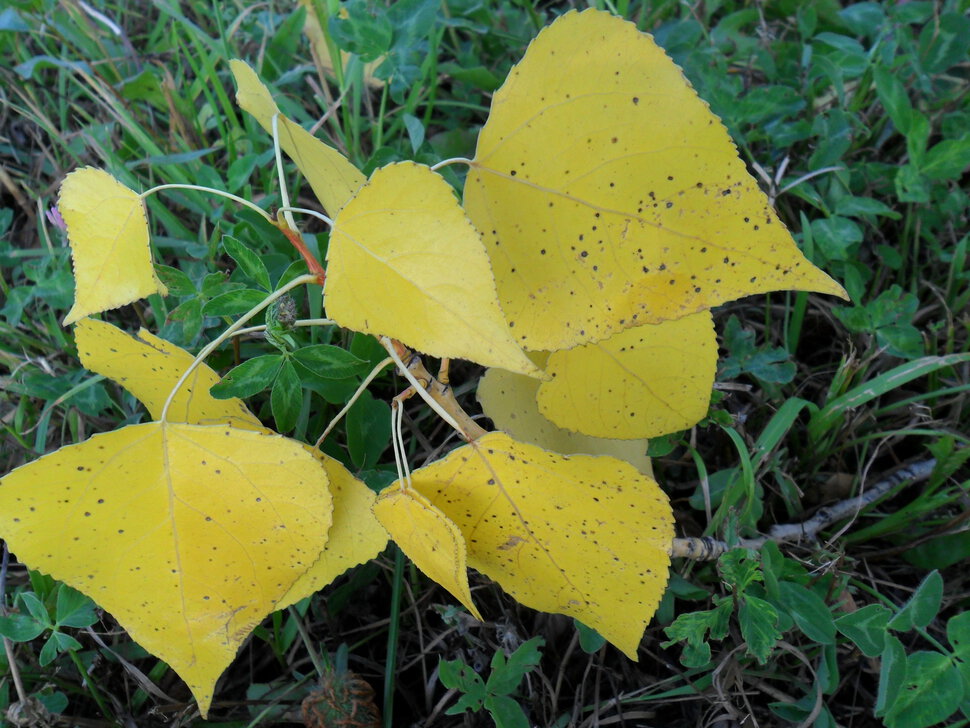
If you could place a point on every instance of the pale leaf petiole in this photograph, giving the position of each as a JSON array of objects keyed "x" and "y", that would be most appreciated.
[
  {"x": 447, "y": 162},
  {"x": 284, "y": 193},
  {"x": 360, "y": 390},
  {"x": 286, "y": 209},
  {"x": 220, "y": 193}
]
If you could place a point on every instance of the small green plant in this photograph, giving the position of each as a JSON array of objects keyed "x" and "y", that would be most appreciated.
[{"x": 494, "y": 694}]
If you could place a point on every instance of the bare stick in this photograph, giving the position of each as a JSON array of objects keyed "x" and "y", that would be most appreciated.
[{"x": 709, "y": 549}]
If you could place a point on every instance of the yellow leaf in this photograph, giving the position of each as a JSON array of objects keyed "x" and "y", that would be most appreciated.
[
  {"x": 108, "y": 232},
  {"x": 641, "y": 382},
  {"x": 356, "y": 535},
  {"x": 405, "y": 262},
  {"x": 189, "y": 535},
  {"x": 428, "y": 538},
  {"x": 608, "y": 195},
  {"x": 149, "y": 367},
  {"x": 509, "y": 400},
  {"x": 578, "y": 535},
  {"x": 333, "y": 178}
]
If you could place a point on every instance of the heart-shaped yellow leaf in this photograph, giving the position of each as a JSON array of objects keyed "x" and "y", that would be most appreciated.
[
  {"x": 356, "y": 535},
  {"x": 405, "y": 262},
  {"x": 608, "y": 195},
  {"x": 330, "y": 174},
  {"x": 509, "y": 400},
  {"x": 108, "y": 232},
  {"x": 578, "y": 535},
  {"x": 189, "y": 535},
  {"x": 149, "y": 367},
  {"x": 641, "y": 382},
  {"x": 428, "y": 538}
]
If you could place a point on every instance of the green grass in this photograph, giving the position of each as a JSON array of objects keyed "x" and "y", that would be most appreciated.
[{"x": 857, "y": 120}]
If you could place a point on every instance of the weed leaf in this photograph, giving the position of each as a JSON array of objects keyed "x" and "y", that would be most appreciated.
[
  {"x": 108, "y": 231},
  {"x": 600, "y": 209},
  {"x": 405, "y": 262}
]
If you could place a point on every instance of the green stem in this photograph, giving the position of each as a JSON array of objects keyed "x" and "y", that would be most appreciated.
[
  {"x": 92, "y": 688},
  {"x": 321, "y": 661},
  {"x": 393, "y": 633}
]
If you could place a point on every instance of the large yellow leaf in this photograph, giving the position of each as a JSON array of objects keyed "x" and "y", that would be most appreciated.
[
  {"x": 356, "y": 535},
  {"x": 641, "y": 382},
  {"x": 189, "y": 535},
  {"x": 149, "y": 367},
  {"x": 108, "y": 232},
  {"x": 509, "y": 400},
  {"x": 428, "y": 538},
  {"x": 579, "y": 535},
  {"x": 330, "y": 174},
  {"x": 608, "y": 195},
  {"x": 405, "y": 262}
]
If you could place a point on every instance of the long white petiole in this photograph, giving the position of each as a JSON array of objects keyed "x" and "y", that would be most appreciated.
[
  {"x": 363, "y": 385},
  {"x": 284, "y": 193},
  {"x": 220, "y": 193}
]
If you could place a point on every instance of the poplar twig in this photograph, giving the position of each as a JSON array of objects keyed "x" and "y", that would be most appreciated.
[{"x": 710, "y": 549}]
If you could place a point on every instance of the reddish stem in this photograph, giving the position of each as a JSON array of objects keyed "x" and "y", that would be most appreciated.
[{"x": 312, "y": 264}]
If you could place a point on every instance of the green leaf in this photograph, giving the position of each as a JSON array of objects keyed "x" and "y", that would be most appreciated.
[
  {"x": 329, "y": 362},
  {"x": 456, "y": 675},
  {"x": 177, "y": 283},
  {"x": 947, "y": 160},
  {"x": 809, "y": 612},
  {"x": 57, "y": 643},
  {"x": 252, "y": 376},
  {"x": 695, "y": 655},
  {"x": 73, "y": 609},
  {"x": 739, "y": 567},
  {"x": 286, "y": 398},
  {"x": 911, "y": 185},
  {"x": 364, "y": 33},
  {"x": 506, "y": 712},
  {"x": 36, "y": 608},
  {"x": 958, "y": 633},
  {"x": 758, "y": 620},
  {"x": 590, "y": 640},
  {"x": 945, "y": 43},
  {"x": 506, "y": 675},
  {"x": 922, "y": 607},
  {"x": 368, "y": 430},
  {"x": 20, "y": 627},
  {"x": 247, "y": 260},
  {"x": 188, "y": 316},
  {"x": 891, "y": 676},
  {"x": 866, "y": 628},
  {"x": 232, "y": 303},
  {"x": 932, "y": 691},
  {"x": 892, "y": 94}
]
